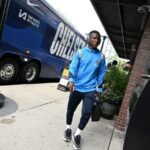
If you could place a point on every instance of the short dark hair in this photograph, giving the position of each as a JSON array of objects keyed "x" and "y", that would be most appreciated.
[{"x": 96, "y": 32}]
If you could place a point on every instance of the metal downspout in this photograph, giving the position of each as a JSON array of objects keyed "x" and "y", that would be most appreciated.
[{"x": 122, "y": 30}]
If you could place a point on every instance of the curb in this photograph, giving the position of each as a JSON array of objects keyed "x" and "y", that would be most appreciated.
[{"x": 2, "y": 100}]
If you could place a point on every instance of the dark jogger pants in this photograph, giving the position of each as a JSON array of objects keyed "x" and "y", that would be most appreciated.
[{"x": 87, "y": 106}]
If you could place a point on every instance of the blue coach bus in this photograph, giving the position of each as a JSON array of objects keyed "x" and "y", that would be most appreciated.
[{"x": 35, "y": 42}]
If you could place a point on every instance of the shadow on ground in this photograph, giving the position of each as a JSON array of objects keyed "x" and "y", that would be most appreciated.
[{"x": 9, "y": 107}]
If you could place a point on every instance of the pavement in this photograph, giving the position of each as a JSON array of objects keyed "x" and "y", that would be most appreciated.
[{"x": 33, "y": 118}]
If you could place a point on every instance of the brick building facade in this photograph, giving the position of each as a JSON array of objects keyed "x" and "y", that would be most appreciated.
[{"x": 139, "y": 68}]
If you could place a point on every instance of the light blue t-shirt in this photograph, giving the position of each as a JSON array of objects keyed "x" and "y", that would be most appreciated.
[{"x": 87, "y": 71}]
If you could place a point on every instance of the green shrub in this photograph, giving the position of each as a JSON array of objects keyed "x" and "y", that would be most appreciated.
[{"x": 115, "y": 83}]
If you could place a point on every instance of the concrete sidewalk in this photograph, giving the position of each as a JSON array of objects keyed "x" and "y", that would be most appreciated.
[{"x": 34, "y": 119}]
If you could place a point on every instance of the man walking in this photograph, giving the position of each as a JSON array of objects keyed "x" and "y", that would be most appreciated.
[{"x": 86, "y": 75}]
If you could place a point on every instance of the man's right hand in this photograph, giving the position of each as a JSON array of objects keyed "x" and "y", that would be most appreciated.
[{"x": 71, "y": 86}]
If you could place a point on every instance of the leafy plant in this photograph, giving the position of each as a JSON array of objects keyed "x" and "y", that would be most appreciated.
[{"x": 115, "y": 83}]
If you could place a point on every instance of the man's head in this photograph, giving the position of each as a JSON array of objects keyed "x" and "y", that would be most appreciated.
[{"x": 94, "y": 39}]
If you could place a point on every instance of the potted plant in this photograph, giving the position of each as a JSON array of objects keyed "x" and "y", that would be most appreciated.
[{"x": 114, "y": 87}]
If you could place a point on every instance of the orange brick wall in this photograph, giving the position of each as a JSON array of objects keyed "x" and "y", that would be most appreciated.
[{"x": 139, "y": 68}]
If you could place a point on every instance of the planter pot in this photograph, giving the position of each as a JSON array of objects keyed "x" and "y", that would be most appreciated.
[{"x": 108, "y": 110}]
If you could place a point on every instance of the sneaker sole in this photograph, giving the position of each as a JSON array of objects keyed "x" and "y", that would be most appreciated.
[
  {"x": 66, "y": 140},
  {"x": 76, "y": 148}
]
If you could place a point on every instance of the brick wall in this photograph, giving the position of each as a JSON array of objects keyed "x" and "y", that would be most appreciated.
[{"x": 139, "y": 68}]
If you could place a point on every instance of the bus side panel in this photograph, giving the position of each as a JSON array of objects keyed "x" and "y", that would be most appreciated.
[{"x": 43, "y": 33}]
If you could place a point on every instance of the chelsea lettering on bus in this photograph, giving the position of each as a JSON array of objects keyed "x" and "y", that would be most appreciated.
[
  {"x": 65, "y": 42},
  {"x": 26, "y": 17}
]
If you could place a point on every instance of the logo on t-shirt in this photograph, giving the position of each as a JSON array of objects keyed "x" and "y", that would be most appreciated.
[{"x": 96, "y": 62}]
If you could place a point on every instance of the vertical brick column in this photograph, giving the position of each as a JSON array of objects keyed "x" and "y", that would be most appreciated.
[{"x": 138, "y": 69}]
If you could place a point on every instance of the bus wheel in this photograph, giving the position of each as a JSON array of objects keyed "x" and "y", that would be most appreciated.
[
  {"x": 9, "y": 69},
  {"x": 30, "y": 72}
]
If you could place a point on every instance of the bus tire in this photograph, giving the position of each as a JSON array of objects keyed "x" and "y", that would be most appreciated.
[
  {"x": 9, "y": 69},
  {"x": 30, "y": 72}
]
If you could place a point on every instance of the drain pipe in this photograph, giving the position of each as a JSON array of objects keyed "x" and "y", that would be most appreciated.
[
  {"x": 122, "y": 28},
  {"x": 104, "y": 38}
]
